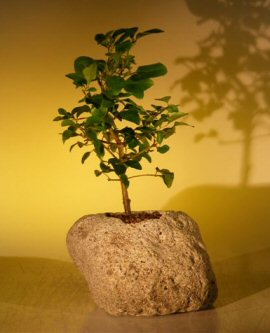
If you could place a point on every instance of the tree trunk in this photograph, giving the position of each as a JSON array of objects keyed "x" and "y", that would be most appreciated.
[
  {"x": 246, "y": 159},
  {"x": 126, "y": 200}
]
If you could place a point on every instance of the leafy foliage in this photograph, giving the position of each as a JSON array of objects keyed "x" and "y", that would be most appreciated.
[{"x": 109, "y": 120}]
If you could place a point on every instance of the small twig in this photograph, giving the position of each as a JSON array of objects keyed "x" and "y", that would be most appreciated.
[
  {"x": 144, "y": 175},
  {"x": 110, "y": 152},
  {"x": 112, "y": 179},
  {"x": 145, "y": 150}
]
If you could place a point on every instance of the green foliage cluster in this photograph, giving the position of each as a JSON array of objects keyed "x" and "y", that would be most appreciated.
[{"x": 109, "y": 120}]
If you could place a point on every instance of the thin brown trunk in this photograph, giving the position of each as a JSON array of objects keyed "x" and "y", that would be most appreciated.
[
  {"x": 246, "y": 160},
  {"x": 126, "y": 200}
]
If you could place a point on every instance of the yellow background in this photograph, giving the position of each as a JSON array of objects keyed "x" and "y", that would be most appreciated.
[{"x": 44, "y": 188}]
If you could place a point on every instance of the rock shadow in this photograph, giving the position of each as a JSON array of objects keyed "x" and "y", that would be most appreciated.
[
  {"x": 234, "y": 223},
  {"x": 242, "y": 276}
]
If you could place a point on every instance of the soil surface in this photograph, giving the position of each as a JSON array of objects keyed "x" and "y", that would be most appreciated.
[{"x": 135, "y": 217}]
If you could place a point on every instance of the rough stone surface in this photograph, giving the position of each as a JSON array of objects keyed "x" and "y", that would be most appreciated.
[{"x": 154, "y": 267}]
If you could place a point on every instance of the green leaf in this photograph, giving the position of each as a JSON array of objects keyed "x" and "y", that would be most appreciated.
[
  {"x": 176, "y": 115},
  {"x": 130, "y": 101},
  {"x": 167, "y": 176},
  {"x": 137, "y": 88},
  {"x": 165, "y": 99},
  {"x": 85, "y": 156},
  {"x": 62, "y": 111},
  {"x": 97, "y": 173},
  {"x": 72, "y": 146},
  {"x": 118, "y": 167},
  {"x": 148, "y": 32},
  {"x": 74, "y": 76},
  {"x": 125, "y": 32},
  {"x": 80, "y": 109},
  {"x": 167, "y": 132},
  {"x": 131, "y": 115},
  {"x": 181, "y": 123},
  {"x": 124, "y": 46},
  {"x": 99, "y": 100},
  {"x": 101, "y": 64},
  {"x": 132, "y": 142},
  {"x": 99, "y": 148},
  {"x": 81, "y": 63},
  {"x": 164, "y": 118},
  {"x": 104, "y": 167},
  {"x": 97, "y": 117},
  {"x": 147, "y": 157},
  {"x": 68, "y": 122},
  {"x": 95, "y": 100},
  {"x": 159, "y": 137},
  {"x": 149, "y": 71},
  {"x": 67, "y": 134},
  {"x": 118, "y": 32},
  {"x": 134, "y": 164},
  {"x": 91, "y": 134},
  {"x": 147, "y": 131},
  {"x": 79, "y": 144},
  {"x": 130, "y": 137},
  {"x": 113, "y": 147},
  {"x": 125, "y": 180},
  {"x": 145, "y": 145},
  {"x": 163, "y": 149},
  {"x": 77, "y": 78},
  {"x": 100, "y": 38},
  {"x": 173, "y": 108},
  {"x": 116, "y": 84},
  {"x": 57, "y": 118},
  {"x": 168, "y": 179},
  {"x": 90, "y": 72}
]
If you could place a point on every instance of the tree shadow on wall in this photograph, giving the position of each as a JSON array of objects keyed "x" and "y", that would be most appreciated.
[{"x": 230, "y": 72}]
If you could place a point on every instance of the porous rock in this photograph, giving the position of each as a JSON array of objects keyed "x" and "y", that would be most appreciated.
[{"x": 154, "y": 267}]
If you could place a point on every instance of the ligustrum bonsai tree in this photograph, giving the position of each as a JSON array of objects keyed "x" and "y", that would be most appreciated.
[{"x": 109, "y": 121}]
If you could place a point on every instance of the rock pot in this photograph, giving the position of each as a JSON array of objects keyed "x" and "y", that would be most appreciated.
[{"x": 156, "y": 266}]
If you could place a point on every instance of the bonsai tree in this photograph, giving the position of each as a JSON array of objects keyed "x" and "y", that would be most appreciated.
[{"x": 109, "y": 122}]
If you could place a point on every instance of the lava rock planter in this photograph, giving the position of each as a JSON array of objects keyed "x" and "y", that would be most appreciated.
[{"x": 156, "y": 266}]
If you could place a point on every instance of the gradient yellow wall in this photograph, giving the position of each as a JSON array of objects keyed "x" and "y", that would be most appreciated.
[{"x": 44, "y": 188}]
